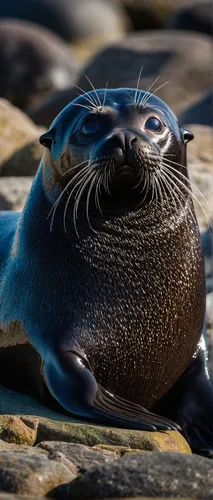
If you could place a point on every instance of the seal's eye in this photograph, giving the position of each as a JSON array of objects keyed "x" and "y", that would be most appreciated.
[
  {"x": 153, "y": 124},
  {"x": 90, "y": 127}
]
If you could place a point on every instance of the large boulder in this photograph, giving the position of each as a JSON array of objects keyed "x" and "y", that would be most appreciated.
[
  {"x": 199, "y": 112},
  {"x": 91, "y": 435},
  {"x": 17, "y": 131},
  {"x": 21, "y": 431},
  {"x": 200, "y": 164},
  {"x": 195, "y": 17},
  {"x": 149, "y": 475},
  {"x": 80, "y": 455},
  {"x": 174, "y": 55},
  {"x": 71, "y": 19},
  {"x": 14, "y": 192},
  {"x": 152, "y": 14},
  {"x": 33, "y": 61},
  {"x": 31, "y": 474}
]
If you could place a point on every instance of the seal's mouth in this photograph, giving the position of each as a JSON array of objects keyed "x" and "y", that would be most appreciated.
[{"x": 125, "y": 170}]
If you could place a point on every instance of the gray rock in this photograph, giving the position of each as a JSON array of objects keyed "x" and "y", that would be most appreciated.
[
  {"x": 70, "y": 19},
  {"x": 17, "y": 131},
  {"x": 14, "y": 192},
  {"x": 195, "y": 17},
  {"x": 174, "y": 55},
  {"x": 7, "y": 496},
  {"x": 199, "y": 112},
  {"x": 31, "y": 474},
  {"x": 36, "y": 61},
  {"x": 82, "y": 456},
  {"x": 151, "y": 14},
  {"x": 200, "y": 165},
  {"x": 151, "y": 474}
]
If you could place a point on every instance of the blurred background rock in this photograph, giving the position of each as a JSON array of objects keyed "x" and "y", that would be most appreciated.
[{"x": 47, "y": 46}]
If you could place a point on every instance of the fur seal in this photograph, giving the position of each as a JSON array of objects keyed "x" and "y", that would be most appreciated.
[{"x": 103, "y": 271}]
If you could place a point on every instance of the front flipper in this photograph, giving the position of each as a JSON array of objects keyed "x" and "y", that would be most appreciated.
[
  {"x": 195, "y": 414},
  {"x": 70, "y": 380}
]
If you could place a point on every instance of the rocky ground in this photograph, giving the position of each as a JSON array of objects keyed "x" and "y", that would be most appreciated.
[
  {"x": 67, "y": 459},
  {"x": 43, "y": 452}
]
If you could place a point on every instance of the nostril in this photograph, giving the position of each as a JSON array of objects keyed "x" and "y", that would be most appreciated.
[
  {"x": 119, "y": 140},
  {"x": 124, "y": 140},
  {"x": 133, "y": 140}
]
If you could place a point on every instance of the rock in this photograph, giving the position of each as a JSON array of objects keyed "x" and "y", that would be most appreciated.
[
  {"x": 17, "y": 430},
  {"x": 7, "y": 496},
  {"x": 150, "y": 474},
  {"x": 91, "y": 435},
  {"x": 24, "y": 161},
  {"x": 151, "y": 14},
  {"x": 210, "y": 352},
  {"x": 52, "y": 454},
  {"x": 17, "y": 131},
  {"x": 70, "y": 19},
  {"x": 200, "y": 163},
  {"x": 209, "y": 309},
  {"x": 207, "y": 244},
  {"x": 200, "y": 112},
  {"x": 14, "y": 192},
  {"x": 174, "y": 55},
  {"x": 15, "y": 403},
  {"x": 195, "y": 17},
  {"x": 82, "y": 456},
  {"x": 20, "y": 448},
  {"x": 36, "y": 61},
  {"x": 31, "y": 474}
]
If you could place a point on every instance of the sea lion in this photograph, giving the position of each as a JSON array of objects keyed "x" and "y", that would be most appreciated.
[{"x": 103, "y": 271}]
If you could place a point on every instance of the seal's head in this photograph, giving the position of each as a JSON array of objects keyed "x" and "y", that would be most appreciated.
[{"x": 112, "y": 150}]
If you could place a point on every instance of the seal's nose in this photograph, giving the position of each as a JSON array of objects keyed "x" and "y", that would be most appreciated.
[{"x": 124, "y": 140}]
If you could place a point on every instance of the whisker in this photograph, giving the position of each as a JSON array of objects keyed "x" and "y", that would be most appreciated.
[
  {"x": 89, "y": 108},
  {"x": 137, "y": 87},
  {"x": 90, "y": 164},
  {"x": 174, "y": 162},
  {"x": 85, "y": 96},
  {"x": 75, "y": 210},
  {"x": 159, "y": 190},
  {"x": 192, "y": 195},
  {"x": 154, "y": 92},
  {"x": 76, "y": 166},
  {"x": 148, "y": 90},
  {"x": 183, "y": 205},
  {"x": 190, "y": 183},
  {"x": 54, "y": 207},
  {"x": 97, "y": 201},
  {"x": 88, "y": 198},
  {"x": 79, "y": 182},
  {"x": 161, "y": 181},
  {"x": 96, "y": 93}
]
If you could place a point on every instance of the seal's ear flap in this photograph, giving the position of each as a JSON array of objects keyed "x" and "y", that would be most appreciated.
[
  {"x": 47, "y": 139},
  {"x": 187, "y": 135}
]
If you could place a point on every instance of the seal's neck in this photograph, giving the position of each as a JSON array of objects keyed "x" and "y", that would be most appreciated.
[{"x": 49, "y": 219}]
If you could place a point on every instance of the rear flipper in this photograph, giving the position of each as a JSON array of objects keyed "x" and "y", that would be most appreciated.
[{"x": 71, "y": 382}]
